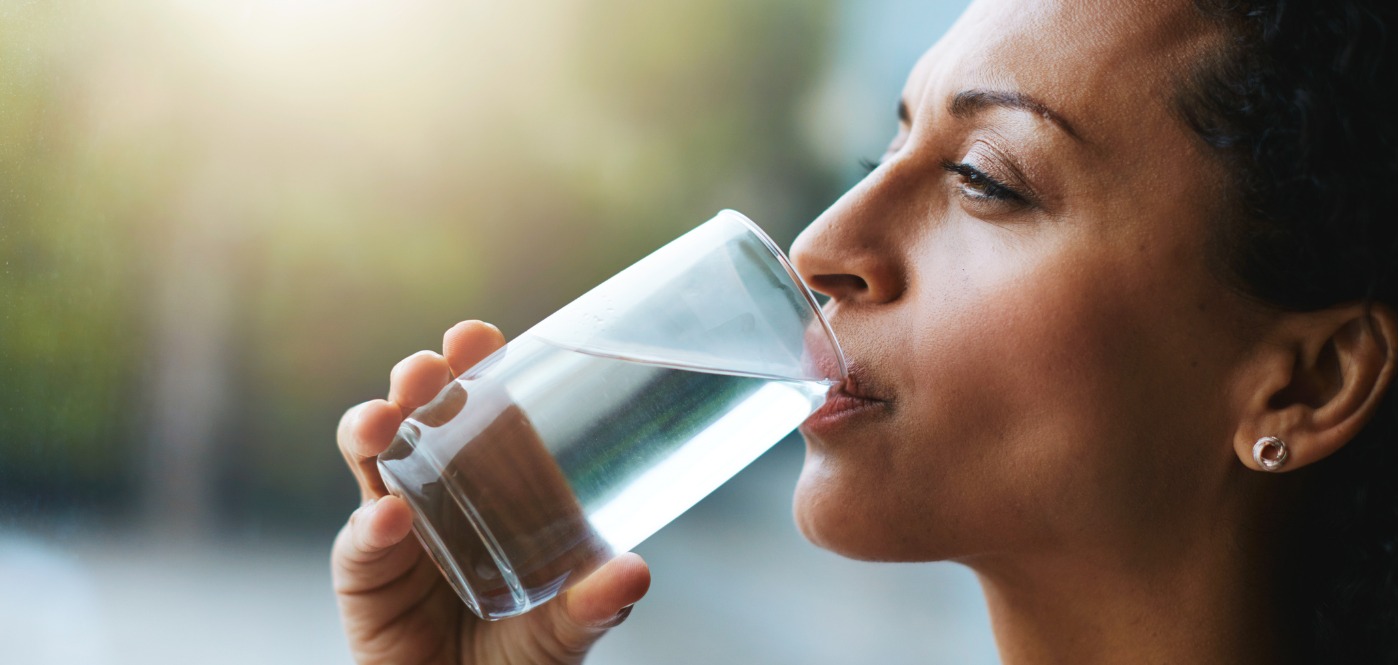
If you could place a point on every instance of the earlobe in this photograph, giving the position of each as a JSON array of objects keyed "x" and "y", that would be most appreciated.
[{"x": 1321, "y": 381}]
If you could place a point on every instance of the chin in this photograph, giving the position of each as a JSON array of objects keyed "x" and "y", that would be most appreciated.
[
  {"x": 838, "y": 519},
  {"x": 860, "y": 516}
]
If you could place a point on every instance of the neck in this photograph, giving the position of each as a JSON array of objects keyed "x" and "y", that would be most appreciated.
[{"x": 1168, "y": 599}]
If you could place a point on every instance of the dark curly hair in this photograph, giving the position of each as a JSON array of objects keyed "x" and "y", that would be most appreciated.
[{"x": 1299, "y": 104}]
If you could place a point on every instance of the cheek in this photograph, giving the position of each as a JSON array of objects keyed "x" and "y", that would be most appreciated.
[
  {"x": 985, "y": 360},
  {"x": 1023, "y": 381},
  {"x": 1064, "y": 401},
  {"x": 1022, "y": 394}
]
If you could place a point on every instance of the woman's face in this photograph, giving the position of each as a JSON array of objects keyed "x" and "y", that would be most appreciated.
[{"x": 1023, "y": 289}]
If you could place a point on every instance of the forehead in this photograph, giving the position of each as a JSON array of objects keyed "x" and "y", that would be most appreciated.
[{"x": 1099, "y": 63}]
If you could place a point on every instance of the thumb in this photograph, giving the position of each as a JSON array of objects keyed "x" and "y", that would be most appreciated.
[{"x": 601, "y": 601}]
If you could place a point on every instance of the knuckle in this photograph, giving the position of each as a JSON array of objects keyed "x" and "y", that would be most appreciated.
[
  {"x": 357, "y": 539},
  {"x": 372, "y": 429},
  {"x": 342, "y": 540},
  {"x": 570, "y": 639},
  {"x": 399, "y": 368},
  {"x": 347, "y": 423},
  {"x": 423, "y": 358}
]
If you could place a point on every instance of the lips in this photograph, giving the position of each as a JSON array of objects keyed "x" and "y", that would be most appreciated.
[{"x": 845, "y": 402}]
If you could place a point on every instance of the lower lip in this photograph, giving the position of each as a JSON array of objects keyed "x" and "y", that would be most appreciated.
[{"x": 839, "y": 409}]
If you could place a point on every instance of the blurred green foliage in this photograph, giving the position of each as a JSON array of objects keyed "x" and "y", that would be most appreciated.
[{"x": 222, "y": 223}]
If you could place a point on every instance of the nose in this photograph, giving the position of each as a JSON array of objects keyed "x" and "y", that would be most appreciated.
[{"x": 851, "y": 252}]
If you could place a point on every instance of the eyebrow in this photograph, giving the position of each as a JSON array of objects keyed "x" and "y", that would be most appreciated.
[{"x": 971, "y": 102}]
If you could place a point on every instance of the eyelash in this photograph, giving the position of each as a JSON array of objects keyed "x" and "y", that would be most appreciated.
[
  {"x": 981, "y": 185},
  {"x": 978, "y": 185}
]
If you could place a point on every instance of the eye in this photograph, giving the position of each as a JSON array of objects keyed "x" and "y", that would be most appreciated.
[
  {"x": 978, "y": 186},
  {"x": 868, "y": 164}
]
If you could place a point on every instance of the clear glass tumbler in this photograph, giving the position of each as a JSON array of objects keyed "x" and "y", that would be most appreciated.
[{"x": 607, "y": 420}]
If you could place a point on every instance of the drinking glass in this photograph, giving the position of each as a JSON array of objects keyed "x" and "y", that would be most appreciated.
[{"x": 607, "y": 420}]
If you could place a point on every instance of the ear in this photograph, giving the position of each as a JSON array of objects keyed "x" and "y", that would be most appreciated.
[{"x": 1317, "y": 381}]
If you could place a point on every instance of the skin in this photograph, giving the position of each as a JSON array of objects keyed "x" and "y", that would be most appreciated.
[
  {"x": 1069, "y": 392},
  {"x": 1059, "y": 390}
]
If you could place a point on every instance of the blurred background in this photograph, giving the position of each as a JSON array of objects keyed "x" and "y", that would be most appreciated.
[{"x": 222, "y": 222}]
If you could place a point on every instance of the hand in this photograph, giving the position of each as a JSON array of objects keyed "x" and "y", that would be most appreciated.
[{"x": 395, "y": 605}]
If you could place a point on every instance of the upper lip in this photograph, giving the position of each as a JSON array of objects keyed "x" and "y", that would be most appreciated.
[{"x": 857, "y": 384}]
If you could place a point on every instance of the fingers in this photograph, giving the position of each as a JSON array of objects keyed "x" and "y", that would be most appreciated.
[
  {"x": 375, "y": 527},
  {"x": 599, "y": 602},
  {"x": 466, "y": 343},
  {"x": 367, "y": 554},
  {"x": 599, "y": 597},
  {"x": 417, "y": 379},
  {"x": 365, "y": 431}
]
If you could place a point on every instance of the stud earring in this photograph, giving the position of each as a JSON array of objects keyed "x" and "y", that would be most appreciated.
[{"x": 1270, "y": 453}]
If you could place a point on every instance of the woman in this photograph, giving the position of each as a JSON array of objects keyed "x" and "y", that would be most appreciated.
[{"x": 1120, "y": 304}]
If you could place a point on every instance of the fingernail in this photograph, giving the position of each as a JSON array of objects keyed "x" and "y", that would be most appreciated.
[{"x": 618, "y": 618}]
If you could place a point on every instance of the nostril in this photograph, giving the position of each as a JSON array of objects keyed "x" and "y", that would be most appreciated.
[{"x": 839, "y": 285}]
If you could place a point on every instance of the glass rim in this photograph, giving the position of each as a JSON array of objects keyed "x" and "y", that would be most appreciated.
[{"x": 796, "y": 278}]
